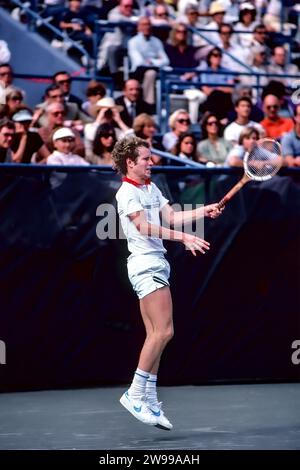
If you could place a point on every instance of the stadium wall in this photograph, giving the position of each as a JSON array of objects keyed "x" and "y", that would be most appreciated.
[{"x": 68, "y": 314}]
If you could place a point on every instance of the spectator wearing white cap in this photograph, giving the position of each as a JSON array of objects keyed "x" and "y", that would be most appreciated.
[
  {"x": 246, "y": 24},
  {"x": 27, "y": 145},
  {"x": 56, "y": 118},
  {"x": 64, "y": 144}
]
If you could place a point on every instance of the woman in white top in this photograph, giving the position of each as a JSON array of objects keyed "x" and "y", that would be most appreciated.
[
  {"x": 247, "y": 23},
  {"x": 64, "y": 144}
]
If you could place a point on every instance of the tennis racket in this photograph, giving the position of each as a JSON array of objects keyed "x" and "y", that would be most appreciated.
[{"x": 260, "y": 164}]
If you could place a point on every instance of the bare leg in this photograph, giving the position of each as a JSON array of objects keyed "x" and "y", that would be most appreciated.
[
  {"x": 156, "y": 310},
  {"x": 149, "y": 331}
]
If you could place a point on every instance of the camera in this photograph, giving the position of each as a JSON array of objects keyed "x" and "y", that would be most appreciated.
[{"x": 108, "y": 113}]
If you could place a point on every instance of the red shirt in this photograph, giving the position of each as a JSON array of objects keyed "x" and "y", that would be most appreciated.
[{"x": 276, "y": 129}]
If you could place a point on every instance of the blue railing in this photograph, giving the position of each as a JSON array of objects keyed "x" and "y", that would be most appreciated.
[
  {"x": 167, "y": 85},
  {"x": 82, "y": 78},
  {"x": 35, "y": 20}
]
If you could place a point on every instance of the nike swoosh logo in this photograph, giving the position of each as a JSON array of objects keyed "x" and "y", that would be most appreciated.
[
  {"x": 137, "y": 409},
  {"x": 156, "y": 413}
]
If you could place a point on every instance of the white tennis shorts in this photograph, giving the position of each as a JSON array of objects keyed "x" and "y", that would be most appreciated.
[{"x": 147, "y": 273}]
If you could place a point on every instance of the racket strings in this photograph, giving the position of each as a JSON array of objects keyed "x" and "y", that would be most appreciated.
[{"x": 264, "y": 160}]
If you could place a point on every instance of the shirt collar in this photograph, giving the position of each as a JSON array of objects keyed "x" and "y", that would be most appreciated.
[
  {"x": 128, "y": 103},
  {"x": 129, "y": 180}
]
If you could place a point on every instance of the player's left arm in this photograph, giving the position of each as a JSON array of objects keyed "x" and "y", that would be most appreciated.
[{"x": 172, "y": 217}]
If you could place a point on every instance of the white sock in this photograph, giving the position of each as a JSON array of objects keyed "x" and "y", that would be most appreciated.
[
  {"x": 138, "y": 387},
  {"x": 151, "y": 390}
]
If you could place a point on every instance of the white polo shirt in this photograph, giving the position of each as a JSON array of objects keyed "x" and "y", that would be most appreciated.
[{"x": 134, "y": 198}]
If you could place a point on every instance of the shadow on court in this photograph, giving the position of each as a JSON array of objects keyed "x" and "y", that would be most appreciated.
[{"x": 257, "y": 416}]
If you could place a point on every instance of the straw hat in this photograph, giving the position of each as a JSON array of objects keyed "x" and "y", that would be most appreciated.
[
  {"x": 216, "y": 7},
  {"x": 105, "y": 102}
]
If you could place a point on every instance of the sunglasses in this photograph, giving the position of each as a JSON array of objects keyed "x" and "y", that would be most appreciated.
[
  {"x": 61, "y": 82},
  {"x": 184, "y": 121},
  {"x": 272, "y": 106},
  {"x": 16, "y": 98},
  {"x": 107, "y": 135},
  {"x": 216, "y": 54},
  {"x": 58, "y": 113},
  {"x": 67, "y": 140},
  {"x": 7, "y": 134},
  {"x": 95, "y": 93},
  {"x": 210, "y": 123}
]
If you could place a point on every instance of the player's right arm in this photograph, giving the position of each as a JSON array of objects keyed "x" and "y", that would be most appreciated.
[{"x": 147, "y": 229}]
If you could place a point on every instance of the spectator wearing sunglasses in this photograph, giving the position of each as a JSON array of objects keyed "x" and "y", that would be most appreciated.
[
  {"x": 180, "y": 53},
  {"x": 274, "y": 125},
  {"x": 213, "y": 148},
  {"x": 179, "y": 122},
  {"x": 218, "y": 95},
  {"x": 64, "y": 144},
  {"x": 149, "y": 9},
  {"x": 55, "y": 117},
  {"x": 14, "y": 100},
  {"x": 234, "y": 51},
  {"x": 103, "y": 145},
  {"x": 73, "y": 114},
  {"x": 64, "y": 81},
  {"x": 192, "y": 18}
]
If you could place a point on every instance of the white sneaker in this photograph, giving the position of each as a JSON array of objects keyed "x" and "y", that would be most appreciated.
[
  {"x": 139, "y": 409},
  {"x": 162, "y": 420}
]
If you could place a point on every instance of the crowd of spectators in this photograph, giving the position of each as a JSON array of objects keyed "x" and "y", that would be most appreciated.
[{"x": 224, "y": 115}]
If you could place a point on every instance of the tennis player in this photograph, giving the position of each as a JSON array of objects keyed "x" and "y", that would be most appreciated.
[{"x": 140, "y": 203}]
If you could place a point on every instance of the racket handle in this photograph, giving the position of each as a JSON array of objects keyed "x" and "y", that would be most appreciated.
[{"x": 233, "y": 191}]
